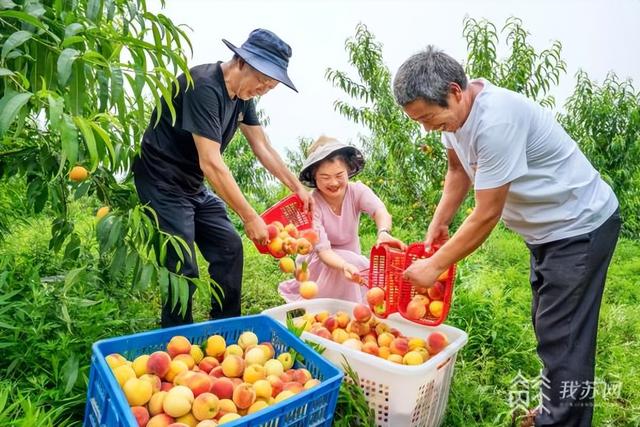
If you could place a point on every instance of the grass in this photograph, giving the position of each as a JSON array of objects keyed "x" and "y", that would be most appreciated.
[{"x": 46, "y": 329}]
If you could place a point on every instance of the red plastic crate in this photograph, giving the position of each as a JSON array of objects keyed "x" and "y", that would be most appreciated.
[
  {"x": 386, "y": 268},
  {"x": 288, "y": 210}
]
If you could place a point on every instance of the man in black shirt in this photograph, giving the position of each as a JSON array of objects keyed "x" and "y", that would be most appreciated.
[{"x": 176, "y": 157}]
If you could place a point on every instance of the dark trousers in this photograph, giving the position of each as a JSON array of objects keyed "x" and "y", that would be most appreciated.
[
  {"x": 567, "y": 281},
  {"x": 199, "y": 219}
]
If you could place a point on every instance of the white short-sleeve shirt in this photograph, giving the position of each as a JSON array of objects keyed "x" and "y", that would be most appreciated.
[{"x": 555, "y": 192}]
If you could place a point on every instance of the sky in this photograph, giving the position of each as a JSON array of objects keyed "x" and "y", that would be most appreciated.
[{"x": 597, "y": 37}]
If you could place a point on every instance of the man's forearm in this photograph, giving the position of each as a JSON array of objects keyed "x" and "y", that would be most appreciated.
[{"x": 456, "y": 187}]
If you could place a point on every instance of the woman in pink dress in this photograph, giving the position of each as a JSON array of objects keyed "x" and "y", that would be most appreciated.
[{"x": 336, "y": 261}]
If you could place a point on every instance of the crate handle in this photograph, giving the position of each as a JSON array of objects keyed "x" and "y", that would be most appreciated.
[{"x": 443, "y": 364}]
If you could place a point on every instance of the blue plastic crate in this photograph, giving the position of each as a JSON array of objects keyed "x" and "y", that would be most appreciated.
[{"x": 107, "y": 406}]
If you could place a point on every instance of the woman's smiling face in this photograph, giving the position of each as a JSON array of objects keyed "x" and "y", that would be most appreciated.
[{"x": 332, "y": 178}]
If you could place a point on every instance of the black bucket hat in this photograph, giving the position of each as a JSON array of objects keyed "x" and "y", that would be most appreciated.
[{"x": 267, "y": 53}]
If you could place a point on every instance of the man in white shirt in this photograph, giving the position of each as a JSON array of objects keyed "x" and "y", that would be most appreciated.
[{"x": 528, "y": 171}]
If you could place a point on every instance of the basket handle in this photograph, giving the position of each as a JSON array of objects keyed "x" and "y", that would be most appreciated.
[{"x": 443, "y": 364}]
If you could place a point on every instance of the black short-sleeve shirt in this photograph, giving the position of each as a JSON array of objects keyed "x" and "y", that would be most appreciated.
[{"x": 168, "y": 154}]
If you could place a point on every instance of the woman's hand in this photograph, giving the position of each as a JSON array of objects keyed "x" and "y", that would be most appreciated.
[
  {"x": 385, "y": 238},
  {"x": 351, "y": 272}
]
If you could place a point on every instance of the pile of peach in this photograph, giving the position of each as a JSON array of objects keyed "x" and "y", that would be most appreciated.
[
  {"x": 186, "y": 386},
  {"x": 366, "y": 333},
  {"x": 288, "y": 240},
  {"x": 426, "y": 303}
]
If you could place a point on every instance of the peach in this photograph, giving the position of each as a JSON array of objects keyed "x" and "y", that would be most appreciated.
[
  {"x": 396, "y": 333},
  {"x": 205, "y": 406},
  {"x": 275, "y": 247},
  {"x": 276, "y": 385},
  {"x": 361, "y": 313},
  {"x": 140, "y": 365},
  {"x": 160, "y": 420},
  {"x": 196, "y": 353},
  {"x": 166, "y": 386},
  {"x": 254, "y": 373},
  {"x": 137, "y": 391},
  {"x": 155, "y": 403},
  {"x": 258, "y": 405},
  {"x": 207, "y": 423},
  {"x": 208, "y": 363},
  {"x": 255, "y": 356},
  {"x": 287, "y": 265},
  {"x": 178, "y": 345},
  {"x": 444, "y": 276},
  {"x": 290, "y": 247},
  {"x": 422, "y": 299},
  {"x": 384, "y": 352},
  {"x": 279, "y": 226},
  {"x": 359, "y": 328},
  {"x": 415, "y": 343},
  {"x": 399, "y": 346},
  {"x": 283, "y": 235},
  {"x": 321, "y": 316},
  {"x": 301, "y": 273},
  {"x": 178, "y": 424},
  {"x": 287, "y": 376},
  {"x": 114, "y": 360},
  {"x": 233, "y": 366},
  {"x": 354, "y": 335},
  {"x": 274, "y": 367},
  {"x": 273, "y": 231},
  {"x": 304, "y": 246},
  {"x": 263, "y": 388},
  {"x": 216, "y": 372},
  {"x": 227, "y": 418},
  {"x": 375, "y": 296},
  {"x": 234, "y": 349},
  {"x": 370, "y": 337},
  {"x": 371, "y": 348},
  {"x": 223, "y": 388},
  {"x": 175, "y": 367},
  {"x": 308, "y": 289},
  {"x": 395, "y": 358},
  {"x": 286, "y": 360},
  {"x": 292, "y": 230},
  {"x": 311, "y": 236},
  {"x": 412, "y": 358},
  {"x": 293, "y": 386},
  {"x": 416, "y": 310},
  {"x": 123, "y": 373},
  {"x": 178, "y": 401},
  {"x": 284, "y": 394},
  {"x": 186, "y": 359},
  {"x": 216, "y": 345},
  {"x": 342, "y": 319},
  {"x": 247, "y": 338},
  {"x": 339, "y": 335},
  {"x": 187, "y": 420},
  {"x": 311, "y": 383},
  {"x": 331, "y": 323},
  {"x": 436, "y": 291},
  {"x": 244, "y": 395},
  {"x": 423, "y": 352},
  {"x": 199, "y": 383},
  {"x": 436, "y": 341},
  {"x": 380, "y": 309},
  {"x": 301, "y": 375},
  {"x": 227, "y": 406},
  {"x": 141, "y": 415},
  {"x": 268, "y": 349},
  {"x": 353, "y": 343},
  {"x": 436, "y": 308},
  {"x": 381, "y": 328},
  {"x": 154, "y": 380},
  {"x": 322, "y": 332},
  {"x": 158, "y": 363}
]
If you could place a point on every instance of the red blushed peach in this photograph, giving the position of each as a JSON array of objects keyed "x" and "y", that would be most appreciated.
[
  {"x": 331, "y": 323},
  {"x": 361, "y": 313},
  {"x": 323, "y": 332},
  {"x": 208, "y": 363},
  {"x": 436, "y": 341},
  {"x": 223, "y": 388},
  {"x": 293, "y": 386},
  {"x": 422, "y": 299},
  {"x": 273, "y": 231},
  {"x": 371, "y": 348},
  {"x": 178, "y": 345},
  {"x": 158, "y": 363},
  {"x": 399, "y": 346},
  {"x": 166, "y": 386},
  {"x": 342, "y": 318},
  {"x": 311, "y": 236},
  {"x": 304, "y": 246},
  {"x": 276, "y": 385},
  {"x": 370, "y": 337},
  {"x": 290, "y": 247},
  {"x": 199, "y": 383},
  {"x": 205, "y": 406},
  {"x": 154, "y": 380},
  {"x": 396, "y": 333},
  {"x": 292, "y": 230},
  {"x": 141, "y": 415},
  {"x": 359, "y": 328},
  {"x": 301, "y": 375},
  {"x": 244, "y": 396},
  {"x": 286, "y": 377},
  {"x": 155, "y": 403},
  {"x": 416, "y": 310},
  {"x": 160, "y": 420},
  {"x": 275, "y": 247},
  {"x": 436, "y": 291},
  {"x": 186, "y": 359},
  {"x": 216, "y": 372},
  {"x": 375, "y": 296},
  {"x": 233, "y": 366},
  {"x": 236, "y": 382}
]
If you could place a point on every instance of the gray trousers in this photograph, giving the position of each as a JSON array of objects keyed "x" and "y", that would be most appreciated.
[{"x": 567, "y": 281}]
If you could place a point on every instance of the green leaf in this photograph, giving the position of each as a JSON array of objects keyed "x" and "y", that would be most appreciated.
[
  {"x": 73, "y": 277},
  {"x": 69, "y": 139},
  {"x": 93, "y": 9},
  {"x": 73, "y": 29},
  {"x": 163, "y": 283},
  {"x": 24, "y": 17},
  {"x": 183, "y": 287},
  {"x": 7, "y": 4},
  {"x": 106, "y": 139},
  {"x": 10, "y": 106},
  {"x": 70, "y": 372},
  {"x": 145, "y": 277},
  {"x": 14, "y": 40},
  {"x": 6, "y": 72},
  {"x": 90, "y": 140},
  {"x": 116, "y": 85},
  {"x": 35, "y": 9},
  {"x": 72, "y": 250},
  {"x": 65, "y": 62}
]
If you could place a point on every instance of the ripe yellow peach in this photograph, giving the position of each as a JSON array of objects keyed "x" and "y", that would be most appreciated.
[
  {"x": 227, "y": 418},
  {"x": 140, "y": 365},
  {"x": 412, "y": 358},
  {"x": 415, "y": 343},
  {"x": 178, "y": 345},
  {"x": 227, "y": 406},
  {"x": 175, "y": 367},
  {"x": 255, "y": 356},
  {"x": 137, "y": 392},
  {"x": 178, "y": 401},
  {"x": 246, "y": 339},
  {"x": 216, "y": 345},
  {"x": 308, "y": 289},
  {"x": 253, "y": 373},
  {"x": 311, "y": 383},
  {"x": 263, "y": 388},
  {"x": 154, "y": 380},
  {"x": 285, "y": 394},
  {"x": 196, "y": 353},
  {"x": 436, "y": 308},
  {"x": 78, "y": 174},
  {"x": 233, "y": 366},
  {"x": 160, "y": 420},
  {"x": 123, "y": 373},
  {"x": 244, "y": 396},
  {"x": 155, "y": 403},
  {"x": 114, "y": 360},
  {"x": 205, "y": 406}
]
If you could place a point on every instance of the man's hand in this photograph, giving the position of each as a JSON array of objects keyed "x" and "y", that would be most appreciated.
[
  {"x": 307, "y": 199},
  {"x": 422, "y": 273},
  {"x": 256, "y": 230},
  {"x": 436, "y": 234}
]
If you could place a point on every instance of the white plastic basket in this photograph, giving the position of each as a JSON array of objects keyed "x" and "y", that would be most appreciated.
[{"x": 401, "y": 395}]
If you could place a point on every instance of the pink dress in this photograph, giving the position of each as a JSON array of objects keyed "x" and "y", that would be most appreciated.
[{"x": 340, "y": 233}]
